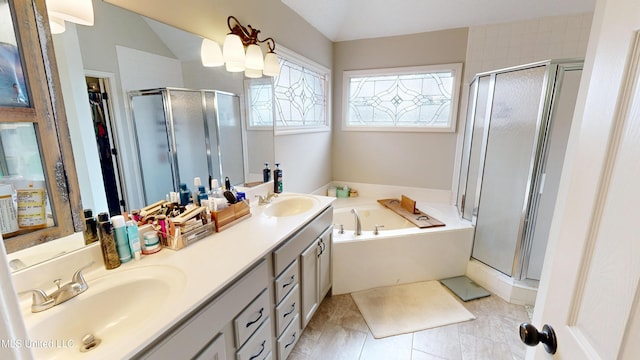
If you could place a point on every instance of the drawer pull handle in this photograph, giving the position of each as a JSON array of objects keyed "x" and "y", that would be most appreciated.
[
  {"x": 257, "y": 319},
  {"x": 293, "y": 308},
  {"x": 261, "y": 350},
  {"x": 293, "y": 278},
  {"x": 293, "y": 339}
]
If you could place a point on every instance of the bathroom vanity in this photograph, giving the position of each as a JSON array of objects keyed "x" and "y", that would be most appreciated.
[{"x": 244, "y": 293}]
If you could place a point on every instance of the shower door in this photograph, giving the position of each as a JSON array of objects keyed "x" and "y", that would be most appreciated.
[
  {"x": 508, "y": 168},
  {"x": 473, "y": 151}
]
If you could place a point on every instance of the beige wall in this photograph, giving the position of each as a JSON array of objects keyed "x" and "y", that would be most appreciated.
[
  {"x": 208, "y": 18},
  {"x": 423, "y": 160}
]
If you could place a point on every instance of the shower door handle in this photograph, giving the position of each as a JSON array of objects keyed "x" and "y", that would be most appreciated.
[{"x": 532, "y": 337}]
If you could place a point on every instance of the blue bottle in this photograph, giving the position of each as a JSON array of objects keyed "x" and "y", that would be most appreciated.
[{"x": 122, "y": 240}]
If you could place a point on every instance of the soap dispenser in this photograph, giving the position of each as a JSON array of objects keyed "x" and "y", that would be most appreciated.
[{"x": 277, "y": 179}]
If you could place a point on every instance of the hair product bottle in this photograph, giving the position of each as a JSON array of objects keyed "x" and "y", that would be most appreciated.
[
  {"x": 277, "y": 179},
  {"x": 107, "y": 242},
  {"x": 266, "y": 173},
  {"x": 90, "y": 232}
]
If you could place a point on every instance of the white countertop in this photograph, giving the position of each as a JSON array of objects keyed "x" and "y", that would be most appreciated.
[{"x": 210, "y": 265}]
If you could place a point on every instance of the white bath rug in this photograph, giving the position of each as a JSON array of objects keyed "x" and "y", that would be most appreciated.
[{"x": 401, "y": 309}]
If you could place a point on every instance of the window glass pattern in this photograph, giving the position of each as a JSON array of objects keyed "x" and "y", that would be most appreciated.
[
  {"x": 260, "y": 95},
  {"x": 403, "y": 100},
  {"x": 300, "y": 96}
]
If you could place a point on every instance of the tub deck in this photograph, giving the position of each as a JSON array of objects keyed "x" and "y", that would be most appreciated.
[{"x": 400, "y": 256}]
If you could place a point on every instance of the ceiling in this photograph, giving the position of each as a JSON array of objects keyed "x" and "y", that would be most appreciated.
[{"x": 341, "y": 20}]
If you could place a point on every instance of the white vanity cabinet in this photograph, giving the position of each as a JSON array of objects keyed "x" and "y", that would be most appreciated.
[
  {"x": 232, "y": 325},
  {"x": 302, "y": 277}
]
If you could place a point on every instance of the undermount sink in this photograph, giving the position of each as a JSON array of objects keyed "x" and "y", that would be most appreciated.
[
  {"x": 289, "y": 205},
  {"x": 110, "y": 310}
]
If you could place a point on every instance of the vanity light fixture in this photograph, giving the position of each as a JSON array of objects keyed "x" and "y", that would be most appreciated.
[
  {"x": 75, "y": 11},
  {"x": 234, "y": 56}
]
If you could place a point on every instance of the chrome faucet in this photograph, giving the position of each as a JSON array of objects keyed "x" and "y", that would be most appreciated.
[
  {"x": 263, "y": 200},
  {"x": 41, "y": 301},
  {"x": 358, "y": 225}
]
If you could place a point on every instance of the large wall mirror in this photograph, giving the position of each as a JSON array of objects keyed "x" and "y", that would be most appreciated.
[{"x": 99, "y": 67}]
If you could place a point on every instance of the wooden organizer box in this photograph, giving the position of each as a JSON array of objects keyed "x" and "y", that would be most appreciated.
[
  {"x": 187, "y": 228},
  {"x": 230, "y": 215}
]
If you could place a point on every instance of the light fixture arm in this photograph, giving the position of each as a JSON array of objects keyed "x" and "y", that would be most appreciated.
[{"x": 248, "y": 35}]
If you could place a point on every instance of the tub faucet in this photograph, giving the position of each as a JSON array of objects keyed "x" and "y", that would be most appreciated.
[{"x": 358, "y": 225}]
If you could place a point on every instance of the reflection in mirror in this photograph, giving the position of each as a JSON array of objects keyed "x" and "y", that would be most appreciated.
[
  {"x": 125, "y": 52},
  {"x": 23, "y": 195}
]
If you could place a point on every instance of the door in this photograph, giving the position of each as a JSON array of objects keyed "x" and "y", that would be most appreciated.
[
  {"x": 103, "y": 123},
  {"x": 589, "y": 291}
]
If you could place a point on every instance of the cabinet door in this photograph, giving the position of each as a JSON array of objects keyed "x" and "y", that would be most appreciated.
[
  {"x": 309, "y": 281},
  {"x": 215, "y": 350},
  {"x": 325, "y": 262}
]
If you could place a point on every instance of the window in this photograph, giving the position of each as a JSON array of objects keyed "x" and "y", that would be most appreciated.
[
  {"x": 298, "y": 98},
  {"x": 421, "y": 98},
  {"x": 260, "y": 103}
]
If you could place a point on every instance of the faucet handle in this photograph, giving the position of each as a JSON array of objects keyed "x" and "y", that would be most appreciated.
[
  {"x": 79, "y": 279},
  {"x": 40, "y": 301},
  {"x": 341, "y": 231},
  {"x": 376, "y": 232}
]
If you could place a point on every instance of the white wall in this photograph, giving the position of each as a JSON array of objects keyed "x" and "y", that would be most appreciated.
[{"x": 79, "y": 118}]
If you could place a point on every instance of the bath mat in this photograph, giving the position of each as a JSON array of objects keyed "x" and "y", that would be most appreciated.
[
  {"x": 465, "y": 288},
  {"x": 417, "y": 217},
  {"x": 401, "y": 309}
]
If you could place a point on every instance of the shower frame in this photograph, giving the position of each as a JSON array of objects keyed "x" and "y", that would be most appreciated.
[
  {"x": 551, "y": 85},
  {"x": 212, "y": 141}
]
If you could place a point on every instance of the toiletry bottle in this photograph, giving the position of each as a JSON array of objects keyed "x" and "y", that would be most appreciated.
[
  {"x": 134, "y": 239},
  {"x": 227, "y": 184},
  {"x": 122, "y": 242},
  {"x": 196, "y": 193},
  {"x": 90, "y": 232},
  {"x": 185, "y": 194},
  {"x": 266, "y": 173},
  {"x": 107, "y": 242},
  {"x": 277, "y": 179},
  {"x": 202, "y": 195}
]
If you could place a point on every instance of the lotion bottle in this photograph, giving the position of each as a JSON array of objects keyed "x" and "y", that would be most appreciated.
[{"x": 134, "y": 239}]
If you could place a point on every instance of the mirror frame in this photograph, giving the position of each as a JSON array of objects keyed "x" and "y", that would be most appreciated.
[{"x": 47, "y": 113}]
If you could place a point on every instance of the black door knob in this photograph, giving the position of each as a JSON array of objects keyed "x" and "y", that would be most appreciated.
[{"x": 532, "y": 337}]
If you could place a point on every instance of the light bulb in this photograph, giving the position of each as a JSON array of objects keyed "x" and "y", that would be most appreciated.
[
  {"x": 253, "y": 58},
  {"x": 271, "y": 64}
]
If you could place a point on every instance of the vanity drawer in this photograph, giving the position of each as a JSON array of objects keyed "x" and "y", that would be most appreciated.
[
  {"x": 259, "y": 345},
  {"x": 287, "y": 310},
  {"x": 251, "y": 318},
  {"x": 286, "y": 281},
  {"x": 291, "y": 249},
  {"x": 289, "y": 338}
]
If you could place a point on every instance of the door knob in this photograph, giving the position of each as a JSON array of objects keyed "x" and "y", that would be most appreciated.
[{"x": 532, "y": 337}]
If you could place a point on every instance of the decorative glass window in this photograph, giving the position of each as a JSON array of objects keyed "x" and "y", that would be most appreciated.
[
  {"x": 260, "y": 103},
  {"x": 297, "y": 98},
  {"x": 301, "y": 94},
  {"x": 402, "y": 99}
]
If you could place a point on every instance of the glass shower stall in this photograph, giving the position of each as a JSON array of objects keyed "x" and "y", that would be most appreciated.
[
  {"x": 517, "y": 126},
  {"x": 182, "y": 134}
]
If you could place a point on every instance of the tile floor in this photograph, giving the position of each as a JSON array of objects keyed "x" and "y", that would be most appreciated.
[{"x": 338, "y": 331}]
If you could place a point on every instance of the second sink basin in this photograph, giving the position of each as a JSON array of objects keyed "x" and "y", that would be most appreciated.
[
  {"x": 110, "y": 310},
  {"x": 289, "y": 205}
]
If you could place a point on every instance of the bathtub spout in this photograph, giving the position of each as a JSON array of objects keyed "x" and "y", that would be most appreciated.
[{"x": 358, "y": 225}]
